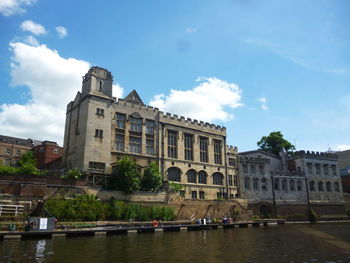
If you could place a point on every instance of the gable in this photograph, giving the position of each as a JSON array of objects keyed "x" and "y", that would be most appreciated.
[{"x": 133, "y": 97}]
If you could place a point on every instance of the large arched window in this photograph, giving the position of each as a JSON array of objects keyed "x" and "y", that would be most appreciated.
[
  {"x": 202, "y": 177},
  {"x": 247, "y": 183},
  {"x": 312, "y": 186},
  {"x": 336, "y": 187},
  {"x": 264, "y": 184},
  {"x": 174, "y": 174},
  {"x": 218, "y": 178},
  {"x": 300, "y": 185},
  {"x": 284, "y": 185},
  {"x": 292, "y": 185},
  {"x": 192, "y": 176},
  {"x": 256, "y": 183},
  {"x": 320, "y": 186},
  {"x": 329, "y": 187}
]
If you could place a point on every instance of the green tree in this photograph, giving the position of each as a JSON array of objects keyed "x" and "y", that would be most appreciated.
[
  {"x": 126, "y": 176},
  {"x": 152, "y": 179},
  {"x": 275, "y": 143},
  {"x": 27, "y": 164}
]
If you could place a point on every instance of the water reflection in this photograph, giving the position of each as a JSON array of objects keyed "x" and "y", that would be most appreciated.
[{"x": 40, "y": 249}]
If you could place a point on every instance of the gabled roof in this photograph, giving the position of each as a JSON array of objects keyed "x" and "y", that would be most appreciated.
[{"x": 133, "y": 97}]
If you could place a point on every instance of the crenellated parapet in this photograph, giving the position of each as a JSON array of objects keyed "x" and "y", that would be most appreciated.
[
  {"x": 313, "y": 155},
  {"x": 231, "y": 149},
  {"x": 141, "y": 107}
]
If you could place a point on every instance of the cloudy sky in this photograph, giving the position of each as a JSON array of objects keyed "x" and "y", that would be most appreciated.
[{"x": 250, "y": 65}]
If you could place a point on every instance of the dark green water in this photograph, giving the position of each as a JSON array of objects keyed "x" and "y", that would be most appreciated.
[{"x": 284, "y": 243}]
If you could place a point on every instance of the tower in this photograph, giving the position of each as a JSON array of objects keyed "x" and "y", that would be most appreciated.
[{"x": 97, "y": 81}]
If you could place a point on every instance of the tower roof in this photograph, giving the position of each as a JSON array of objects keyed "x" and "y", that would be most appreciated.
[{"x": 133, "y": 97}]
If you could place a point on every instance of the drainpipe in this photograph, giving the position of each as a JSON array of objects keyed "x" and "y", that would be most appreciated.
[
  {"x": 307, "y": 194},
  {"x": 273, "y": 197},
  {"x": 226, "y": 176}
]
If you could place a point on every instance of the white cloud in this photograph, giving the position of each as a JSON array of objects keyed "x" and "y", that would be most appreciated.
[
  {"x": 263, "y": 102},
  {"x": 191, "y": 30},
  {"x": 30, "y": 40},
  {"x": 208, "y": 101},
  {"x": 34, "y": 28},
  {"x": 342, "y": 147},
  {"x": 61, "y": 31},
  {"x": 117, "y": 91},
  {"x": 11, "y": 7}
]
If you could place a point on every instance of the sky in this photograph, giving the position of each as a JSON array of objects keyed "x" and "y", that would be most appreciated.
[{"x": 252, "y": 66}]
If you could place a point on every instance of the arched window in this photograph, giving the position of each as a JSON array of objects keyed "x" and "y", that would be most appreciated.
[
  {"x": 320, "y": 186},
  {"x": 192, "y": 176},
  {"x": 292, "y": 185},
  {"x": 202, "y": 177},
  {"x": 264, "y": 184},
  {"x": 276, "y": 184},
  {"x": 218, "y": 178},
  {"x": 336, "y": 187},
  {"x": 174, "y": 174},
  {"x": 256, "y": 183},
  {"x": 312, "y": 186},
  {"x": 284, "y": 185},
  {"x": 329, "y": 187},
  {"x": 300, "y": 185},
  {"x": 247, "y": 183}
]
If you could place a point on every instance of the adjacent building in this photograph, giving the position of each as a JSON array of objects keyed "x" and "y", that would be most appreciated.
[
  {"x": 11, "y": 149},
  {"x": 100, "y": 129}
]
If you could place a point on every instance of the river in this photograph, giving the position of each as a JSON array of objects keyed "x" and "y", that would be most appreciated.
[{"x": 283, "y": 243}]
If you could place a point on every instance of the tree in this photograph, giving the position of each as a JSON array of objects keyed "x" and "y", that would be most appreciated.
[
  {"x": 275, "y": 143},
  {"x": 27, "y": 164},
  {"x": 126, "y": 176},
  {"x": 152, "y": 179}
]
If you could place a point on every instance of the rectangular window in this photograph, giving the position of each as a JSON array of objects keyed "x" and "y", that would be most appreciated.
[
  {"x": 334, "y": 170},
  {"x": 150, "y": 146},
  {"x": 149, "y": 127},
  {"x": 188, "y": 147},
  {"x": 56, "y": 151},
  {"x": 203, "y": 144},
  {"x": 135, "y": 144},
  {"x": 97, "y": 166},
  {"x": 201, "y": 195},
  {"x": 172, "y": 144},
  {"x": 235, "y": 180},
  {"x": 8, "y": 150},
  {"x": 217, "y": 152},
  {"x": 309, "y": 168},
  {"x": 253, "y": 168},
  {"x": 100, "y": 112},
  {"x": 120, "y": 121},
  {"x": 245, "y": 168},
  {"x": 231, "y": 161},
  {"x": 230, "y": 180},
  {"x": 318, "y": 169},
  {"x": 99, "y": 133},
  {"x": 135, "y": 124},
  {"x": 325, "y": 169},
  {"x": 18, "y": 152},
  {"x": 261, "y": 169},
  {"x": 194, "y": 194},
  {"x": 119, "y": 141}
]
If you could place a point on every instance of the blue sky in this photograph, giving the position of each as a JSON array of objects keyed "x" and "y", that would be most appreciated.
[{"x": 251, "y": 66}]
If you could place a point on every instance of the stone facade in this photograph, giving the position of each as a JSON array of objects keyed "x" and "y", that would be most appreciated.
[
  {"x": 100, "y": 129},
  {"x": 12, "y": 148}
]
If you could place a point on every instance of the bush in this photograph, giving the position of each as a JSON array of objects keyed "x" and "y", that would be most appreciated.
[
  {"x": 313, "y": 216},
  {"x": 152, "y": 179}
]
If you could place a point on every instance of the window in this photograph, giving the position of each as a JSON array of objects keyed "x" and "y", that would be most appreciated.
[
  {"x": 235, "y": 180},
  {"x": 312, "y": 186},
  {"x": 320, "y": 186},
  {"x": 188, "y": 147},
  {"x": 135, "y": 144},
  {"x": 284, "y": 185},
  {"x": 182, "y": 193},
  {"x": 135, "y": 124},
  {"x": 172, "y": 144},
  {"x": 334, "y": 169},
  {"x": 245, "y": 168},
  {"x": 318, "y": 169},
  {"x": 192, "y": 176},
  {"x": 98, "y": 133},
  {"x": 230, "y": 180},
  {"x": 219, "y": 195},
  {"x": 56, "y": 151},
  {"x": 202, "y": 177},
  {"x": 276, "y": 184},
  {"x": 329, "y": 187},
  {"x": 194, "y": 194},
  {"x": 217, "y": 152},
  {"x": 174, "y": 174},
  {"x": 149, "y": 127},
  {"x": 325, "y": 169},
  {"x": 41, "y": 149},
  {"x": 97, "y": 166},
  {"x": 120, "y": 121},
  {"x": 18, "y": 152},
  {"x": 256, "y": 183},
  {"x": 203, "y": 144},
  {"x": 336, "y": 187},
  {"x": 300, "y": 185},
  {"x": 100, "y": 87},
  {"x": 100, "y": 112},
  {"x": 261, "y": 169},
  {"x": 264, "y": 184},
  {"x": 7, "y": 161},
  {"x": 292, "y": 185},
  {"x": 218, "y": 179},
  {"x": 247, "y": 183},
  {"x": 119, "y": 138},
  {"x": 231, "y": 161},
  {"x": 253, "y": 168},
  {"x": 150, "y": 146},
  {"x": 8, "y": 151},
  {"x": 201, "y": 195},
  {"x": 309, "y": 168}
]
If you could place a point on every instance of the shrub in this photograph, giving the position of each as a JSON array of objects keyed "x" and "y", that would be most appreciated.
[
  {"x": 313, "y": 216},
  {"x": 152, "y": 179}
]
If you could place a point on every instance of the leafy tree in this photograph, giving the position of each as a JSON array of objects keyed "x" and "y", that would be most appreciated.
[
  {"x": 152, "y": 179},
  {"x": 275, "y": 143},
  {"x": 126, "y": 176},
  {"x": 27, "y": 164}
]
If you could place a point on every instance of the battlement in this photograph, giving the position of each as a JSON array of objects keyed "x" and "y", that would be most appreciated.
[
  {"x": 98, "y": 72},
  {"x": 136, "y": 106},
  {"x": 313, "y": 155},
  {"x": 286, "y": 173},
  {"x": 232, "y": 149}
]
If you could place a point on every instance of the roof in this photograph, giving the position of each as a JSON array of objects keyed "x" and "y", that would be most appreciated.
[
  {"x": 259, "y": 151},
  {"x": 18, "y": 141},
  {"x": 133, "y": 97}
]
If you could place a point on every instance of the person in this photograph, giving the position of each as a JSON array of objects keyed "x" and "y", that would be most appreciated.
[{"x": 155, "y": 223}]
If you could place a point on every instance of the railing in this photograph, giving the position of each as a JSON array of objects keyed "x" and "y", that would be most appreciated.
[{"x": 11, "y": 209}]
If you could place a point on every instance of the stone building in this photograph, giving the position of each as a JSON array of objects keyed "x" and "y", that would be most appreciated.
[
  {"x": 11, "y": 149},
  {"x": 100, "y": 129}
]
